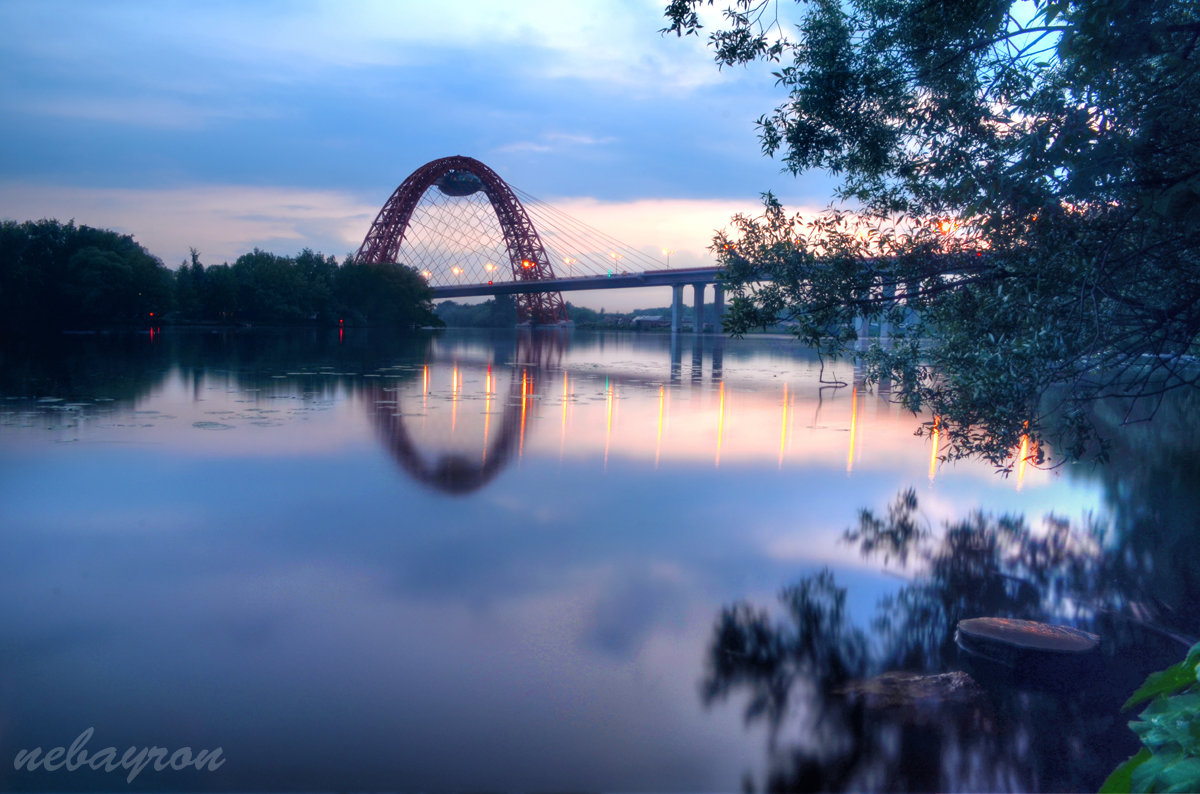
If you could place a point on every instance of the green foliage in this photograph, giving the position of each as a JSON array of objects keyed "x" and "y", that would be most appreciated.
[
  {"x": 384, "y": 294},
  {"x": 1025, "y": 185},
  {"x": 1169, "y": 728},
  {"x": 56, "y": 275},
  {"x": 270, "y": 288},
  {"x": 583, "y": 316},
  {"x": 793, "y": 669}
]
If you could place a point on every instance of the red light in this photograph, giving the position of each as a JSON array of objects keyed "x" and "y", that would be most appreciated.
[
  {"x": 151, "y": 314},
  {"x": 489, "y": 283},
  {"x": 341, "y": 322}
]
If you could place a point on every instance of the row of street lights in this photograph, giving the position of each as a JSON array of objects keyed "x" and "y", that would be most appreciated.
[{"x": 568, "y": 261}]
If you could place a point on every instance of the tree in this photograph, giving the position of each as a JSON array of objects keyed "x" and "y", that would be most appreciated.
[
  {"x": 56, "y": 275},
  {"x": 384, "y": 294},
  {"x": 317, "y": 273},
  {"x": 218, "y": 292},
  {"x": 270, "y": 288},
  {"x": 1021, "y": 200}
]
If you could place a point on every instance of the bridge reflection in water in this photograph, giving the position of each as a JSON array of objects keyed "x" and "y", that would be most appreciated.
[
  {"x": 477, "y": 408},
  {"x": 451, "y": 468}
]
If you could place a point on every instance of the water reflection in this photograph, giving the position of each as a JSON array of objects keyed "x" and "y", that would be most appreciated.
[
  {"x": 896, "y": 708},
  {"x": 466, "y": 445},
  {"x": 536, "y": 357},
  {"x": 235, "y": 526},
  {"x": 453, "y": 410},
  {"x": 715, "y": 347}
]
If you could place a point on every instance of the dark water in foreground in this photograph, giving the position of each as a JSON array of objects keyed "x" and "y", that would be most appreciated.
[{"x": 509, "y": 562}]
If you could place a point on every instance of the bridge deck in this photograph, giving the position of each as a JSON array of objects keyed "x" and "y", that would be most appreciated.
[{"x": 649, "y": 278}]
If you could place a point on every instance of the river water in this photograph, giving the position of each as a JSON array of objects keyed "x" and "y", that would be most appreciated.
[{"x": 519, "y": 561}]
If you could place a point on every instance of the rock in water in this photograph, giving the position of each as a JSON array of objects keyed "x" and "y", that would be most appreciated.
[
  {"x": 946, "y": 699},
  {"x": 1039, "y": 653},
  {"x": 898, "y": 689}
]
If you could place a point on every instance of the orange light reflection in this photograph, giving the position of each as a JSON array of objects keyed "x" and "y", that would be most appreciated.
[
  {"x": 562, "y": 445},
  {"x": 425, "y": 395},
  {"x": 936, "y": 435},
  {"x": 783, "y": 429},
  {"x": 658, "y": 439},
  {"x": 853, "y": 428},
  {"x": 1022, "y": 459},
  {"x": 487, "y": 409},
  {"x": 720, "y": 423},
  {"x": 608, "y": 414},
  {"x": 524, "y": 402},
  {"x": 453, "y": 398}
]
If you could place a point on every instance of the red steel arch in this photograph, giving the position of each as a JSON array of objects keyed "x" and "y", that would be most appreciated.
[{"x": 526, "y": 253}]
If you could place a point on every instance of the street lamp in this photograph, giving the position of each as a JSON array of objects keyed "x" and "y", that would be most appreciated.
[
  {"x": 667, "y": 253},
  {"x": 615, "y": 258}
]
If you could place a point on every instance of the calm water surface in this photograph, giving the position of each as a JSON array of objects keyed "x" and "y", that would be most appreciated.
[{"x": 504, "y": 561}]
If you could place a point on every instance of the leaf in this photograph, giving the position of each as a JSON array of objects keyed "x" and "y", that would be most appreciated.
[
  {"x": 1121, "y": 779},
  {"x": 1145, "y": 774},
  {"x": 1169, "y": 681},
  {"x": 1172, "y": 725},
  {"x": 1181, "y": 776}
]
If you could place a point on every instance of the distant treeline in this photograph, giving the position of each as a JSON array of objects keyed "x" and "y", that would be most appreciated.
[{"x": 63, "y": 276}]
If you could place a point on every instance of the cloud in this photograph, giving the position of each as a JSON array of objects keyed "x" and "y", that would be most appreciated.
[
  {"x": 615, "y": 45},
  {"x": 222, "y": 221},
  {"x": 227, "y": 220},
  {"x": 683, "y": 226},
  {"x": 163, "y": 113},
  {"x": 556, "y": 141}
]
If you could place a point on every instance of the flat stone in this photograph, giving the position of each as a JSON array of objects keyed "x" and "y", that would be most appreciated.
[
  {"x": 1025, "y": 635},
  {"x": 1026, "y": 652}
]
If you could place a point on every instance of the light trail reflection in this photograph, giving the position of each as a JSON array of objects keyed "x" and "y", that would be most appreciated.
[
  {"x": 853, "y": 428},
  {"x": 499, "y": 424},
  {"x": 720, "y": 423},
  {"x": 662, "y": 391}
]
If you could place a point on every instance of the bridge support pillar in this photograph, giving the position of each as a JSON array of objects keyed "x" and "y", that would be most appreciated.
[
  {"x": 718, "y": 303},
  {"x": 676, "y": 358},
  {"x": 699, "y": 290},
  {"x": 676, "y": 306}
]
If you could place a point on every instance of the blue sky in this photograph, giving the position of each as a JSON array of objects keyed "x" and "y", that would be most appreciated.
[{"x": 283, "y": 125}]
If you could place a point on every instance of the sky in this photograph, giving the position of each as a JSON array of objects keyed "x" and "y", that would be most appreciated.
[{"x": 229, "y": 126}]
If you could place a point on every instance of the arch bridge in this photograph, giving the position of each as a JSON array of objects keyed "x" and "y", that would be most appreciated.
[{"x": 455, "y": 221}]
